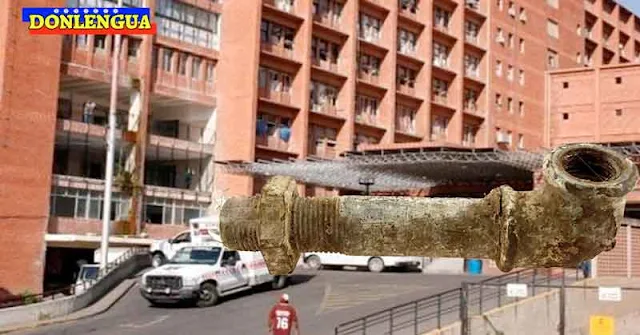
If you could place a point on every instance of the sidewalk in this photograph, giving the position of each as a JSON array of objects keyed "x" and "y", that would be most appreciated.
[{"x": 99, "y": 307}]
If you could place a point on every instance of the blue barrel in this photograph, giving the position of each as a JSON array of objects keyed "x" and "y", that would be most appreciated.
[{"x": 474, "y": 266}]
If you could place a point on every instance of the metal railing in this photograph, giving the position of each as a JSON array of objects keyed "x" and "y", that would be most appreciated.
[
  {"x": 442, "y": 309},
  {"x": 26, "y": 299}
]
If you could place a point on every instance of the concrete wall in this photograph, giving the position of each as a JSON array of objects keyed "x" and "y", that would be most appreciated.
[{"x": 63, "y": 306}]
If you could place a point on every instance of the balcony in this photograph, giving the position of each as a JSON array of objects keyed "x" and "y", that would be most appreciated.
[
  {"x": 442, "y": 100},
  {"x": 280, "y": 97},
  {"x": 443, "y": 64},
  {"x": 183, "y": 87},
  {"x": 368, "y": 119},
  {"x": 406, "y": 86},
  {"x": 369, "y": 35},
  {"x": 408, "y": 49},
  {"x": 281, "y": 50},
  {"x": 327, "y": 65},
  {"x": 187, "y": 139},
  {"x": 273, "y": 143},
  {"x": 283, "y": 5},
  {"x": 323, "y": 148},
  {"x": 326, "y": 109},
  {"x": 328, "y": 19},
  {"x": 370, "y": 76}
]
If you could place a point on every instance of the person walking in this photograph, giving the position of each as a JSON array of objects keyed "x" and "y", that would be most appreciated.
[{"x": 282, "y": 317}]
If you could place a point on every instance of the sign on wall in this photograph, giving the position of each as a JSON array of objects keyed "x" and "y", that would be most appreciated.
[
  {"x": 601, "y": 325},
  {"x": 609, "y": 293},
  {"x": 517, "y": 290}
]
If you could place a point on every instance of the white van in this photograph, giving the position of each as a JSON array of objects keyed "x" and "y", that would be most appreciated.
[
  {"x": 205, "y": 272},
  {"x": 316, "y": 260}
]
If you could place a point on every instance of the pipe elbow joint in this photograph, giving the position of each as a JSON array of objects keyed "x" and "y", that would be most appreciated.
[{"x": 574, "y": 216}]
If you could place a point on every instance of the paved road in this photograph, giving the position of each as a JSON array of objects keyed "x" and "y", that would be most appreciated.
[{"x": 323, "y": 300}]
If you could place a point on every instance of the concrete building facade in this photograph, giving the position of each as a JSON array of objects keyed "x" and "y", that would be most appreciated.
[{"x": 271, "y": 79}]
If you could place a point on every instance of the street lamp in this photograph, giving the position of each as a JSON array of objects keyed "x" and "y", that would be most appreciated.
[
  {"x": 367, "y": 181},
  {"x": 111, "y": 137}
]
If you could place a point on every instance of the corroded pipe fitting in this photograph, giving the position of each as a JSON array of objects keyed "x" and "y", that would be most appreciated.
[{"x": 574, "y": 216}]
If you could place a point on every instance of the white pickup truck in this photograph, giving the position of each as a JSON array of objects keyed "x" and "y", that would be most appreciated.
[
  {"x": 201, "y": 230},
  {"x": 205, "y": 272}
]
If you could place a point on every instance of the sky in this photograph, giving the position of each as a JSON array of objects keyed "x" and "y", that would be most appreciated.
[{"x": 633, "y": 5}]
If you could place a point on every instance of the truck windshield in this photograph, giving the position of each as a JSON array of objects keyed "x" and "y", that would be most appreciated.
[{"x": 197, "y": 256}]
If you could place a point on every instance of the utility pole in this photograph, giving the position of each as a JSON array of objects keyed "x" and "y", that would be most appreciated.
[{"x": 111, "y": 137}]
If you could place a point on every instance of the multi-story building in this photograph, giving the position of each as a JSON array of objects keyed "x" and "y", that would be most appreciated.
[{"x": 263, "y": 80}]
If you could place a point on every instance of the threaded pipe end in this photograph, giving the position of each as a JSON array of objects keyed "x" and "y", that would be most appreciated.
[
  {"x": 316, "y": 226},
  {"x": 239, "y": 223}
]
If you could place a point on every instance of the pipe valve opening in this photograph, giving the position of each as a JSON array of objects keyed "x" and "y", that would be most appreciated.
[{"x": 591, "y": 165}]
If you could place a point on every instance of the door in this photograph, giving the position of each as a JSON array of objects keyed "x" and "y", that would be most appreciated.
[
  {"x": 178, "y": 242},
  {"x": 232, "y": 270}
]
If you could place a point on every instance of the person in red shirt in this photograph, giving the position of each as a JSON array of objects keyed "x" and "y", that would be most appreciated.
[{"x": 283, "y": 317}]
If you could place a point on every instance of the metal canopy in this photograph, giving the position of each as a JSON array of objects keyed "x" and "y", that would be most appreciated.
[{"x": 405, "y": 169}]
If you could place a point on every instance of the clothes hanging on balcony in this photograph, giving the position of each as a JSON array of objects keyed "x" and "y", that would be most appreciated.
[
  {"x": 262, "y": 127},
  {"x": 285, "y": 133}
]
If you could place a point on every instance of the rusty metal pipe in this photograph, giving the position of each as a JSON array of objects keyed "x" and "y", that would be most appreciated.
[{"x": 573, "y": 217}]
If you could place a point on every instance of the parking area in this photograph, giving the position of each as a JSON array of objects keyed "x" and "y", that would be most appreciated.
[{"x": 323, "y": 299}]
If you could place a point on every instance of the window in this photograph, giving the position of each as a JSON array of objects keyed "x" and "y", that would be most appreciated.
[
  {"x": 521, "y": 77},
  {"x": 579, "y": 58},
  {"x": 407, "y": 42},
  {"x": 167, "y": 57},
  {"x": 367, "y": 109},
  {"x": 523, "y": 15},
  {"x": 406, "y": 119},
  {"x": 510, "y": 105},
  {"x": 439, "y": 125},
  {"x": 471, "y": 65},
  {"x": 440, "y": 90},
  {"x": 470, "y": 98},
  {"x": 512, "y": 9},
  {"x": 409, "y": 5},
  {"x": 618, "y": 112},
  {"x": 323, "y": 97},
  {"x": 510, "y": 73},
  {"x": 471, "y": 31},
  {"x": 369, "y": 28},
  {"x": 521, "y": 108},
  {"x": 552, "y": 3},
  {"x": 500, "y": 36},
  {"x": 510, "y": 40},
  {"x": 552, "y": 29},
  {"x": 369, "y": 65},
  {"x": 520, "y": 141},
  {"x": 182, "y": 64},
  {"x": 498, "y": 101},
  {"x": 500, "y": 4},
  {"x": 522, "y": 45},
  {"x": 274, "y": 81},
  {"x": 324, "y": 51},
  {"x": 133, "y": 47},
  {"x": 210, "y": 72},
  {"x": 195, "y": 68},
  {"x": 469, "y": 135},
  {"x": 442, "y": 18},
  {"x": 552, "y": 59},
  {"x": 499, "y": 68},
  {"x": 406, "y": 76},
  {"x": 565, "y": 116},
  {"x": 275, "y": 34},
  {"x": 565, "y": 84},
  {"x": 329, "y": 9},
  {"x": 440, "y": 55},
  {"x": 100, "y": 42},
  {"x": 187, "y": 23},
  {"x": 618, "y": 80}
]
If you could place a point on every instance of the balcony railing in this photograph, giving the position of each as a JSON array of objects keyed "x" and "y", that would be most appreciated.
[
  {"x": 272, "y": 141},
  {"x": 184, "y": 132},
  {"x": 406, "y": 87},
  {"x": 369, "y": 76},
  {"x": 323, "y": 148},
  {"x": 328, "y": 65},
  {"x": 283, "y": 5},
  {"x": 367, "y": 118},
  {"x": 472, "y": 72},
  {"x": 442, "y": 27},
  {"x": 276, "y": 96},
  {"x": 327, "y": 108},
  {"x": 328, "y": 19},
  {"x": 441, "y": 62},
  {"x": 369, "y": 35},
  {"x": 284, "y": 50},
  {"x": 473, "y": 39},
  {"x": 408, "y": 49},
  {"x": 440, "y": 98}
]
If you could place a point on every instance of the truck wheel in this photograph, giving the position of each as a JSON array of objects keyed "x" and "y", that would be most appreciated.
[
  {"x": 314, "y": 262},
  {"x": 208, "y": 295},
  {"x": 375, "y": 264},
  {"x": 157, "y": 260},
  {"x": 279, "y": 282}
]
